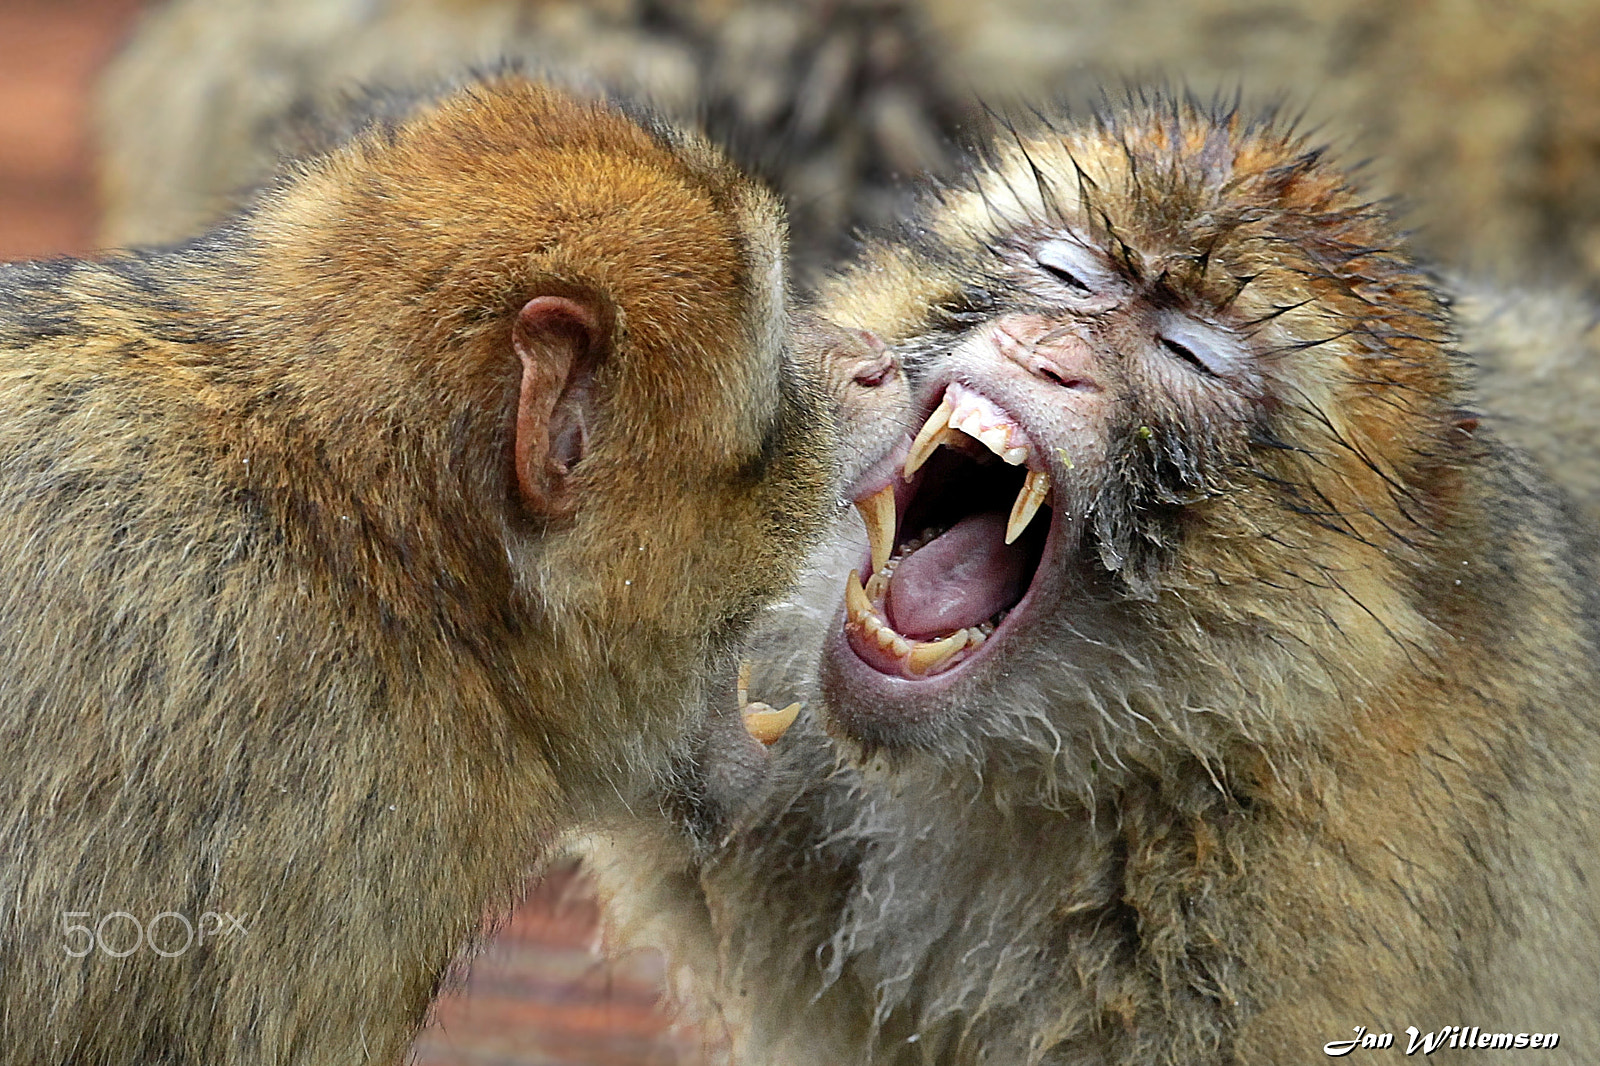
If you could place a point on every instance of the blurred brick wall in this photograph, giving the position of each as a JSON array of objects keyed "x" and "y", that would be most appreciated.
[{"x": 541, "y": 995}]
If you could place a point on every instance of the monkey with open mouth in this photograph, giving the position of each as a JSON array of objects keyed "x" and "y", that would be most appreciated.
[{"x": 1213, "y": 680}]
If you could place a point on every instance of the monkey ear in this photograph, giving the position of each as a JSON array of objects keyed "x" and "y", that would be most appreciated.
[{"x": 559, "y": 340}]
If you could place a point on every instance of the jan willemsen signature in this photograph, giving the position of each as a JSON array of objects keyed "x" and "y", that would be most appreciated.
[{"x": 1452, "y": 1036}]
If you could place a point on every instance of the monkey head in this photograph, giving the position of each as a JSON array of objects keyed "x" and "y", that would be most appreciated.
[
  {"x": 1174, "y": 392},
  {"x": 583, "y": 315}
]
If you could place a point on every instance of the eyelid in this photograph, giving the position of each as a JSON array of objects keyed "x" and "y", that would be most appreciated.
[
  {"x": 1216, "y": 350},
  {"x": 1075, "y": 260}
]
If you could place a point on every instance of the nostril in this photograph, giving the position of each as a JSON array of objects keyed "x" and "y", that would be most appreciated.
[
  {"x": 1057, "y": 376},
  {"x": 1049, "y": 352},
  {"x": 875, "y": 373}
]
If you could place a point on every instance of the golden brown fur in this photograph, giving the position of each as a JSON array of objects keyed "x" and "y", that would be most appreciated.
[
  {"x": 1305, "y": 735},
  {"x": 291, "y": 632},
  {"x": 1483, "y": 118}
]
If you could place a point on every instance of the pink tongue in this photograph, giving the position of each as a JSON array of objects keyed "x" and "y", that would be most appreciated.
[{"x": 958, "y": 579}]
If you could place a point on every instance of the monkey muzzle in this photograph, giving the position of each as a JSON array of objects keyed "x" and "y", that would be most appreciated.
[{"x": 955, "y": 544}]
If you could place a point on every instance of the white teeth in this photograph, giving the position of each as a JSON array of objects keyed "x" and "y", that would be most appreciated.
[
  {"x": 918, "y": 657},
  {"x": 967, "y": 418},
  {"x": 930, "y": 655},
  {"x": 1029, "y": 500},
  {"x": 886, "y": 637},
  {"x": 877, "y": 511},
  {"x": 928, "y": 437},
  {"x": 861, "y": 613},
  {"x": 964, "y": 411},
  {"x": 996, "y": 439},
  {"x": 962, "y": 415}
]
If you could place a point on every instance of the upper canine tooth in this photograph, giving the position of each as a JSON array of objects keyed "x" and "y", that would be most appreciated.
[
  {"x": 1029, "y": 500},
  {"x": 877, "y": 511},
  {"x": 928, "y": 437},
  {"x": 929, "y": 655}
]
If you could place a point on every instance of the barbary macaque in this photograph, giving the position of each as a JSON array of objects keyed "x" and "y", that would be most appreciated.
[
  {"x": 358, "y": 550},
  {"x": 1213, "y": 684}
]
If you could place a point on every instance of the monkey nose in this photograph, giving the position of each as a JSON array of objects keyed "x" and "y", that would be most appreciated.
[{"x": 1056, "y": 355}]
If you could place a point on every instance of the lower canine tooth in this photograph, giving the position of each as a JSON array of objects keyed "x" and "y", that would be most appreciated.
[
  {"x": 877, "y": 511},
  {"x": 1029, "y": 500},
  {"x": 926, "y": 656},
  {"x": 766, "y": 724},
  {"x": 855, "y": 598}
]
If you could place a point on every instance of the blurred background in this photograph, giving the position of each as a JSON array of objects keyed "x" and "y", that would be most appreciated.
[
  {"x": 50, "y": 53},
  {"x": 123, "y": 122}
]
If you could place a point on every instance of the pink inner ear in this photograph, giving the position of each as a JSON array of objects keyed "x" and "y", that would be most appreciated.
[{"x": 556, "y": 337}]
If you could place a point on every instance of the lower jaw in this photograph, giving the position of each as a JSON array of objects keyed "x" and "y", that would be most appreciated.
[
  {"x": 893, "y": 662},
  {"x": 884, "y": 708},
  {"x": 873, "y": 707}
]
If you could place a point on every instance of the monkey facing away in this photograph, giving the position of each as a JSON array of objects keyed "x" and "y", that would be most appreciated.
[
  {"x": 355, "y": 551},
  {"x": 1220, "y": 685}
]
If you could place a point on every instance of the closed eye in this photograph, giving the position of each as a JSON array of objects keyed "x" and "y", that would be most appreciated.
[
  {"x": 1064, "y": 276},
  {"x": 1213, "y": 351},
  {"x": 1187, "y": 355},
  {"x": 1073, "y": 265}
]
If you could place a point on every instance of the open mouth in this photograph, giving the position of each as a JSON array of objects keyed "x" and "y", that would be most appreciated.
[{"x": 956, "y": 541}]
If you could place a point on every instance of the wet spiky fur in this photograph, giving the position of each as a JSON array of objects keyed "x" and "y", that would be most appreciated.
[
  {"x": 1318, "y": 749},
  {"x": 281, "y": 639}
]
